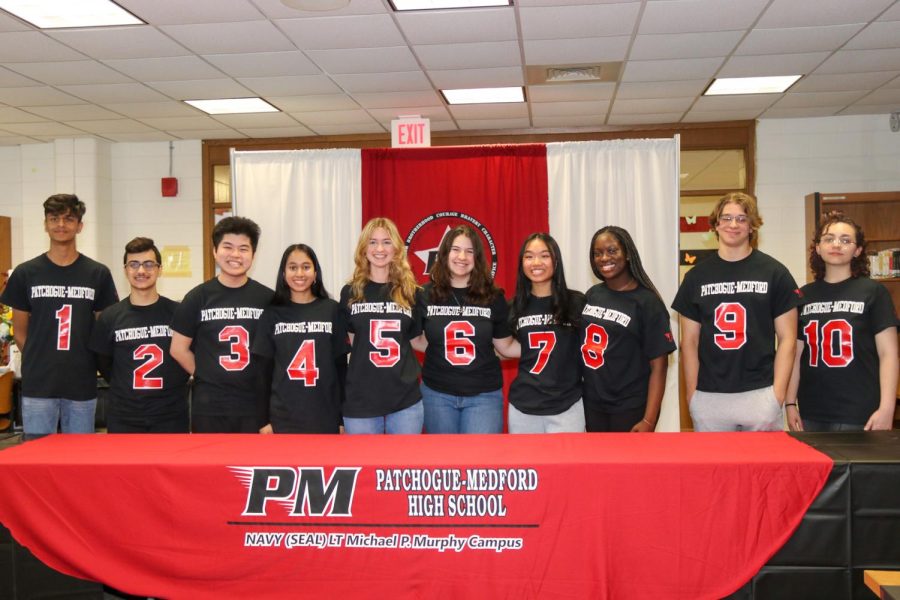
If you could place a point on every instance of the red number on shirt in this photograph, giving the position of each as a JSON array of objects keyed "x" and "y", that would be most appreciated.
[
  {"x": 388, "y": 349},
  {"x": 595, "y": 341},
  {"x": 64, "y": 328},
  {"x": 543, "y": 342},
  {"x": 836, "y": 328},
  {"x": 458, "y": 348},
  {"x": 154, "y": 356},
  {"x": 731, "y": 321},
  {"x": 303, "y": 365},
  {"x": 240, "y": 348}
]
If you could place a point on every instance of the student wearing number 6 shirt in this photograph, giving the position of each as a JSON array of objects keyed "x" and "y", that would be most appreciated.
[
  {"x": 212, "y": 330},
  {"x": 733, "y": 305}
]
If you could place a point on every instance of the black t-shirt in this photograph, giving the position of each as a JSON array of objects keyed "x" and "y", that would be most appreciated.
[
  {"x": 620, "y": 333},
  {"x": 145, "y": 380},
  {"x": 460, "y": 358},
  {"x": 549, "y": 377},
  {"x": 383, "y": 374},
  {"x": 56, "y": 362},
  {"x": 736, "y": 304},
  {"x": 304, "y": 340},
  {"x": 839, "y": 367},
  {"x": 221, "y": 322}
]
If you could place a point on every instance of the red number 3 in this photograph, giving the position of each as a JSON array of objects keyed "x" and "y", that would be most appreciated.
[
  {"x": 731, "y": 321},
  {"x": 240, "y": 348}
]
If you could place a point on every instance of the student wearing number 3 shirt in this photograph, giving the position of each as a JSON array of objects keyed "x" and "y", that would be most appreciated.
[
  {"x": 55, "y": 298},
  {"x": 733, "y": 306},
  {"x": 212, "y": 330}
]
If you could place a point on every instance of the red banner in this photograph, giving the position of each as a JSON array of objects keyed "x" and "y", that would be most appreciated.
[{"x": 479, "y": 516}]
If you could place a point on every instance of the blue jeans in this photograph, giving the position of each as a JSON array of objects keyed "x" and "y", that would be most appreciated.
[
  {"x": 408, "y": 420},
  {"x": 446, "y": 413},
  {"x": 42, "y": 416}
]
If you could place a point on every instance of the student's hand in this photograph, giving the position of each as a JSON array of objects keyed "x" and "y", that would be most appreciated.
[
  {"x": 643, "y": 426},
  {"x": 881, "y": 420},
  {"x": 267, "y": 429},
  {"x": 795, "y": 423}
]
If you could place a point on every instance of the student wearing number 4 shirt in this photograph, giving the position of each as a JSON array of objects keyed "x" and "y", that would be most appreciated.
[
  {"x": 845, "y": 374},
  {"x": 55, "y": 299},
  {"x": 733, "y": 305},
  {"x": 304, "y": 335},
  {"x": 382, "y": 394},
  {"x": 148, "y": 389},
  {"x": 212, "y": 330}
]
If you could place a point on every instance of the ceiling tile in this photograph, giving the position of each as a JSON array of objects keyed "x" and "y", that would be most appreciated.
[
  {"x": 489, "y": 124},
  {"x": 796, "y": 40},
  {"x": 204, "y": 89},
  {"x": 684, "y": 45},
  {"x": 181, "y": 123},
  {"x": 120, "y": 42},
  {"x": 276, "y": 10},
  {"x": 257, "y": 120},
  {"x": 476, "y": 78},
  {"x": 263, "y": 64},
  {"x": 895, "y": 83},
  {"x": 855, "y": 61},
  {"x": 333, "y": 117},
  {"x": 14, "y": 115},
  {"x": 313, "y": 102},
  {"x": 876, "y": 35},
  {"x": 41, "y": 128},
  {"x": 744, "y": 102},
  {"x": 113, "y": 92},
  {"x": 397, "y": 99},
  {"x": 348, "y": 129},
  {"x": 884, "y": 96},
  {"x": 793, "y": 113},
  {"x": 469, "y": 56},
  {"x": 289, "y": 85},
  {"x": 796, "y": 100},
  {"x": 9, "y": 23},
  {"x": 366, "y": 31},
  {"x": 561, "y": 109},
  {"x": 458, "y": 26},
  {"x": 764, "y": 66},
  {"x": 209, "y": 134},
  {"x": 166, "y": 68},
  {"x": 843, "y": 81},
  {"x": 891, "y": 14},
  {"x": 577, "y": 50},
  {"x": 790, "y": 13},
  {"x": 65, "y": 73},
  {"x": 365, "y": 60},
  {"x": 230, "y": 38},
  {"x": 13, "y": 140},
  {"x": 512, "y": 110},
  {"x": 694, "y": 16},
  {"x": 875, "y": 109},
  {"x": 33, "y": 46},
  {"x": 580, "y": 21},
  {"x": 668, "y": 89},
  {"x": 570, "y": 121},
  {"x": 149, "y": 136},
  {"x": 435, "y": 113},
  {"x": 704, "y": 116},
  {"x": 149, "y": 110},
  {"x": 570, "y": 92},
  {"x": 273, "y": 132},
  {"x": 35, "y": 96},
  {"x": 383, "y": 82},
  {"x": 112, "y": 126},
  {"x": 168, "y": 12},
  {"x": 675, "y": 70},
  {"x": 644, "y": 119},
  {"x": 648, "y": 106},
  {"x": 11, "y": 79},
  {"x": 75, "y": 112}
]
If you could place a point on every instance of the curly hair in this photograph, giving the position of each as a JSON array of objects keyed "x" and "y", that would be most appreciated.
[
  {"x": 633, "y": 259},
  {"x": 859, "y": 265},
  {"x": 400, "y": 275},
  {"x": 745, "y": 201},
  {"x": 482, "y": 290}
]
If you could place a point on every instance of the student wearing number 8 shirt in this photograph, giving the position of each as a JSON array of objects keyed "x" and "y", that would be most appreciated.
[
  {"x": 733, "y": 305},
  {"x": 845, "y": 373},
  {"x": 212, "y": 330},
  {"x": 545, "y": 396},
  {"x": 304, "y": 335},
  {"x": 148, "y": 389},
  {"x": 625, "y": 338},
  {"x": 382, "y": 392},
  {"x": 465, "y": 319}
]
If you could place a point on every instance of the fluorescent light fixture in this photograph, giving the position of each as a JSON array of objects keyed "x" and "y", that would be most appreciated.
[
  {"x": 751, "y": 85},
  {"x": 56, "y": 14},
  {"x": 401, "y": 5},
  {"x": 231, "y": 106},
  {"x": 484, "y": 95}
]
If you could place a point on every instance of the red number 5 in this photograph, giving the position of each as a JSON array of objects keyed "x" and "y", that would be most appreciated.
[{"x": 387, "y": 352}]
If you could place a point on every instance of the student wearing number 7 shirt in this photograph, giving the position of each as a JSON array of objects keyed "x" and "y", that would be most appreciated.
[
  {"x": 212, "y": 330},
  {"x": 148, "y": 389},
  {"x": 733, "y": 306},
  {"x": 55, "y": 298}
]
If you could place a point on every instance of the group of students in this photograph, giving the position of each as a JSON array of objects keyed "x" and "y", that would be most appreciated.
[{"x": 294, "y": 360}]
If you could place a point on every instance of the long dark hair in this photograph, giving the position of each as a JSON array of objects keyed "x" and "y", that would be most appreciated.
[
  {"x": 859, "y": 266},
  {"x": 282, "y": 291},
  {"x": 482, "y": 290},
  {"x": 561, "y": 297},
  {"x": 632, "y": 257}
]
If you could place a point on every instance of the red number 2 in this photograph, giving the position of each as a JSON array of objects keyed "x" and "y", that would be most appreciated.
[{"x": 154, "y": 356}]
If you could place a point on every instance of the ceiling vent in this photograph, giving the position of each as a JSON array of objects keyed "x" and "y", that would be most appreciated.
[{"x": 582, "y": 73}]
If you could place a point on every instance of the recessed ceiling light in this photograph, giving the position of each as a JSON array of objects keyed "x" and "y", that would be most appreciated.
[
  {"x": 400, "y": 5},
  {"x": 230, "y": 106},
  {"x": 751, "y": 85},
  {"x": 56, "y": 14},
  {"x": 484, "y": 95}
]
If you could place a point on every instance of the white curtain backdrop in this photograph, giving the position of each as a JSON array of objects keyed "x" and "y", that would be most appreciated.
[
  {"x": 629, "y": 183},
  {"x": 301, "y": 196}
]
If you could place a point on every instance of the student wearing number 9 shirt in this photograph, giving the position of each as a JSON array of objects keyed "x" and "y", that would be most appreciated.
[
  {"x": 733, "y": 305},
  {"x": 212, "y": 330},
  {"x": 148, "y": 389},
  {"x": 545, "y": 396},
  {"x": 382, "y": 391},
  {"x": 465, "y": 320}
]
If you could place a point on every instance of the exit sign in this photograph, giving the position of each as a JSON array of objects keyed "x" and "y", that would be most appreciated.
[{"x": 410, "y": 132}]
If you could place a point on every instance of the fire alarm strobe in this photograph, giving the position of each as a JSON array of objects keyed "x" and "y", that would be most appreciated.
[{"x": 169, "y": 187}]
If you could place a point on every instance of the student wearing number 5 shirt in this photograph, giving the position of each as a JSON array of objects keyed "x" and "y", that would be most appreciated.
[
  {"x": 845, "y": 374},
  {"x": 212, "y": 330},
  {"x": 55, "y": 298},
  {"x": 382, "y": 392},
  {"x": 733, "y": 305},
  {"x": 148, "y": 389}
]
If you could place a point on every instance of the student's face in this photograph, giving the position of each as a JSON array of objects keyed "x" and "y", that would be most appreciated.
[
  {"x": 299, "y": 272},
  {"x": 62, "y": 228},
  {"x": 537, "y": 262},
  {"x": 142, "y": 270},
  {"x": 461, "y": 258},
  {"x": 381, "y": 250},
  {"x": 234, "y": 254},
  {"x": 609, "y": 256},
  {"x": 733, "y": 226},
  {"x": 837, "y": 245}
]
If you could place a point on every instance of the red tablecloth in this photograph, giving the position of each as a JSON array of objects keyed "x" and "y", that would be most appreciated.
[{"x": 543, "y": 516}]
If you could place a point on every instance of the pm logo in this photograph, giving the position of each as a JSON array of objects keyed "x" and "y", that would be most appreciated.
[
  {"x": 302, "y": 491},
  {"x": 426, "y": 236}
]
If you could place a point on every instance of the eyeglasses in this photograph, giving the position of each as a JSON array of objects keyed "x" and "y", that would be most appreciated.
[
  {"x": 148, "y": 265},
  {"x": 739, "y": 219},
  {"x": 843, "y": 241}
]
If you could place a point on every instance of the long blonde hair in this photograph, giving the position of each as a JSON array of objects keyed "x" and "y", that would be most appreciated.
[{"x": 400, "y": 275}]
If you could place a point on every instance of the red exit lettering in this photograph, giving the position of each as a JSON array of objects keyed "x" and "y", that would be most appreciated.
[{"x": 411, "y": 133}]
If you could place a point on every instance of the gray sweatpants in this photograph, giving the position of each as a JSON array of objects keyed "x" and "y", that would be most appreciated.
[{"x": 755, "y": 410}]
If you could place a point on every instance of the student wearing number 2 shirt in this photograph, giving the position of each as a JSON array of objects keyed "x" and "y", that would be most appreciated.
[
  {"x": 212, "y": 331},
  {"x": 733, "y": 305},
  {"x": 55, "y": 298},
  {"x": 382, "y": 394},
  {"x": 148, "y": 388}
]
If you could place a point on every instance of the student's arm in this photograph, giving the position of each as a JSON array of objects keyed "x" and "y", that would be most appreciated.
[
  {"x": 792, "y": 412},
  {"x": 181, "y": 352},
  {"x": 20, "y": 327},
  {"x": 886, "y": 345},
  {"x": 655, "y": 391},
  {"x": 786, "y": 333},
  {"x": 508, "y": 347},
  {"x": 419, "y": 343},
  {"x": 690, "y": 358}
]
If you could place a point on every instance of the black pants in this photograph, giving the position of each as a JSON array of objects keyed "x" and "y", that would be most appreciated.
[
  {"x": 224, "y": 424},
  {"x": 601, "y": 421},
  {"x": 177, "y": 423}
]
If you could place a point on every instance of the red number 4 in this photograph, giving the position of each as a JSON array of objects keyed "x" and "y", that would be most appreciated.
[{"x": 303, "y": 365}]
